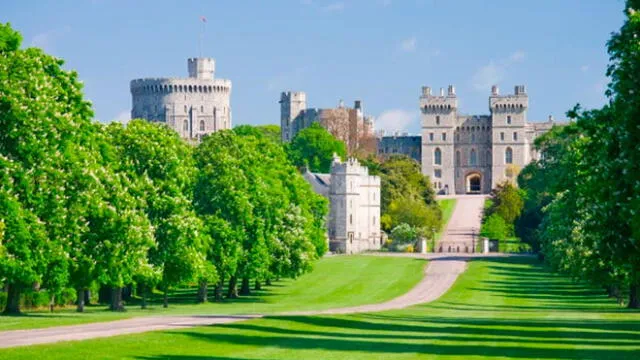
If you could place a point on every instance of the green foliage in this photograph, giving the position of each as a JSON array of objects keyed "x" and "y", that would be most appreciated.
[
  {"x": 415, "y": 213},
  {"x": 314, "y": 147},
  {"x": 494, "y": 227},
  {"x": 266, "y": 132},
  {"x": 404, "y": 234},
  {"x": 10, "y": 39},
  {"x": 507, "y": 202}
]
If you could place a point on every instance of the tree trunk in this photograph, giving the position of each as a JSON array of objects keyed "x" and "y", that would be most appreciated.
[
  {"x": 258, "y": 285},
  {"x": 268, "y": 282},
  {"x": 87, "y": 296},
  {"x": 634, "y": 296},
  {"x": 52, "y": 303},
  {"x": 245, "y": 289},
  {"x": 232, "y": 292},
  {"x": 13, "y": 300},
  {"x": 116, "y": 299},
  {"x": 143, "y": 296},
  {"x": 80, "y": 294},
  {"x": 219, "y": 288},
  {"x": 202, "y": 292},
  {"x": 165, "y": 303}
]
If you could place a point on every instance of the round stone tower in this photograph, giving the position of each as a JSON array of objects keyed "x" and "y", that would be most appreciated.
[{"x": 193, "y": 106}]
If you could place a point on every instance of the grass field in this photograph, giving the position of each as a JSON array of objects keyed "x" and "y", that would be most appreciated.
[
  {"x": 447, "y": 206},
  {"x": 499, "y": 308},
  {"x": 336, "y": 281}
]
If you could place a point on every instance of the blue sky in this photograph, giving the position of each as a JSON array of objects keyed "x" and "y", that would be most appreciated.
[{"x": 379, "y": 51}]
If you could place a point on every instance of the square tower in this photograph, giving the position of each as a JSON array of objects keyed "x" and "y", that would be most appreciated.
[
  {"x": 292, "y": 104},
  {"x": 439, "y": 115},
  {"x": 508, "y": 120}
]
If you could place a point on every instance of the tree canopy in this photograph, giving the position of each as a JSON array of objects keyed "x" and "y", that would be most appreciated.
[{"x": 314, "y": 148}]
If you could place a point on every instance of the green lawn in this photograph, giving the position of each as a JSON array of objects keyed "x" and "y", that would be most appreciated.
[
  {"x": 499, "y": 308},
  {"x": 336, "y": 281},
  {"x": 447, "y": 206}
]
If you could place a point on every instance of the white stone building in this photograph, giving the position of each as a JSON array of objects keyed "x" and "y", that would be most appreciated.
[
  {"x": 354, "y": 214},
  {"x": 193, "y": 106},
  {"x": 467, "y": 154}
]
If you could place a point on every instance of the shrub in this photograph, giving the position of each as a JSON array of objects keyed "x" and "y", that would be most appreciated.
[
  {"x": 409, "y": 249},
  {"x": 494, "y": 228}
]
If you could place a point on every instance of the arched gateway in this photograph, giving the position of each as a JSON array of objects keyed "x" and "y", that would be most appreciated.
[{"x": 474, "y": 183}]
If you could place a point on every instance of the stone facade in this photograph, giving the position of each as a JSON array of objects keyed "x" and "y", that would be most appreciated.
[
  {"x": 409, "y": 145},
  {"x": 353, "y": 225},
  {"x": 193, "y": 106},
  {"x": 347, "y": 124},
  {"x": 465, "y": 154}
]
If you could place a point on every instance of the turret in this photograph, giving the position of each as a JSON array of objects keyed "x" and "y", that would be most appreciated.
[
  {"x": 201, "y": 68},
  {"x": 292, "y": 104}
]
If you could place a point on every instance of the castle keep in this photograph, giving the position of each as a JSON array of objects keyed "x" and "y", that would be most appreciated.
[
  {"x": 193, "y": 106},
  {"x": 354, "y": 213},
  {"x": 471, "y": 154}
]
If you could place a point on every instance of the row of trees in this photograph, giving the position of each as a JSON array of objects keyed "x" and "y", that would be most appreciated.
[
  {"x": 83, "y": 203},
  {"x": 582, "y": 205}
]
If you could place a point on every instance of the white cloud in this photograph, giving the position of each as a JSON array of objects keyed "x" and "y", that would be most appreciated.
[
  {"x": 487, "y": 76},
  {"x": 395, "y": 120},
  {"x": 408, "y": 45},
  {"x": 287, "y": 81},
  {"x": 123, "y": 117},
  {"x": 584, "y": 68},
  {"x": 495, "y": 71},
  {"x": 47, "y": 40},
  {"x": 334, "y": 7},
  {"x": 517, "y": 56}
]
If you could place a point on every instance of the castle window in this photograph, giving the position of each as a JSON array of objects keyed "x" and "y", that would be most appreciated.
[
  {"x": 201, "y": 125},
  {"x": 185, "y": 125},
  {"x": 457, "y": 137},
  {"x": 501, "y": 136},
  {"x": 473, "y": 158},
  {"x": 509, "y": 119},
  {"x": 444, "y": 136},
  {"x": 437, "y": 173},
  {"x": 437, "y": 157},
  {"x": 458, "y": 158},
  {"x": 508, "y": 156},
  {"x": 437, "y": 120},
  {"x": 430, "y": 136},
  {"x": 201, "y": 108},
  {"x": 185, "y": 108},
  {"x": 350, "y": 219},
  {"x": 515, "y": 136}
]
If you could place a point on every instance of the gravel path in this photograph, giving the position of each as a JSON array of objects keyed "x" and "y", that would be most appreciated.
[{"x": 440, "y": 275}]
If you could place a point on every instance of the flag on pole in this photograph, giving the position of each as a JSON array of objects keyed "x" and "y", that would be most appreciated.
[{"x": 203, "y": 19}]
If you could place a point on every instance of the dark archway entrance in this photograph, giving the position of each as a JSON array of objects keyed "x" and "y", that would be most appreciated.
[{"x": 474, "y": 183}]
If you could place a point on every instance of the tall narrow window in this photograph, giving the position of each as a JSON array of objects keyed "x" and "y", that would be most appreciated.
[
  {"x": 185, "y": 126},
  {"x": 508, "y": 119},
  {"x": 437, "y": 156},
  {"x": 515, "y": 136},
  {"x": 473, "y": 158},
  {"x": 457, "y": 158},
  {"x": 201, "y": 108},
  {"x": 201, "y": 125},
  {"x": 508, "y": 156},
  {"x": 350, "y": 219},
  {"x": 437, "y": 120},
  {"x": 430, "y": 136},
  {"x": 444, "y": 136},
  {"x": 501, "y": 136}
]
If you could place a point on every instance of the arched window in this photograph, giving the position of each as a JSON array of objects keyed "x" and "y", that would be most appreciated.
[
  {"x": 457, "y": 158},
  {"x": 201, "y": 125},
  {"x": 473, "y": 158},
  {"x": 437, "y": 156},
  {"x": 508, "y": 156},
  {"x": 185, "y": 126}
]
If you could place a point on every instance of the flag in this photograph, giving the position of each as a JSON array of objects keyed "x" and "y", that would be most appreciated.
[{"x": 203, "y": 19}]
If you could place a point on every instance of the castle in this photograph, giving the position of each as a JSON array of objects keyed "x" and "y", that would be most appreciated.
[
  {"x": 193, "y": 106},
  {"x": 471, "y": 154},
  {"x": 354, "y": 214},
  {"x": 347, "y": 124}
]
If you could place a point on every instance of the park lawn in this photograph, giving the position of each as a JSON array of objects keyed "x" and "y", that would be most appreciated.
[
  {"x": 499, "y": 308},
  {"x": 447, "y": 206},
  {"x": 336, "y": 281}
]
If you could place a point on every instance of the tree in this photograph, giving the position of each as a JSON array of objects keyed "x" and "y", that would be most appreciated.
[
  {"x": 415, "y": 213},
  {"x": 267, "y": 132},
  {"x": 404, "y": 234},
  {"x": 315, "y": 147},
  {"x": 507, "y": 202},
  {"x": 494, "y": 228}
]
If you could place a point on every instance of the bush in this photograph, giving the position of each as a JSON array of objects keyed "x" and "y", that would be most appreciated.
[
  {"x": 494, "y": 228},
  {"x": 409, "y": 249},
  {"x": 513, "y": 246}
]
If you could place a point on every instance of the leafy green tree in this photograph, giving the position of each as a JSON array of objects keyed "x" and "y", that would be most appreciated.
[
  {"x": 267, "y": 132},
  {"x": 494, "y": 227},
  {"x": 404, "y": 234},
  {"x": 314, "y": 147},
  {"x": 415, "y": 213}
]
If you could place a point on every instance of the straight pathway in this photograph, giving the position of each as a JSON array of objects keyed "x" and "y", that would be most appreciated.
[
  {"x": 463, "y": 228},
  {"x": 440, "y": 275}
]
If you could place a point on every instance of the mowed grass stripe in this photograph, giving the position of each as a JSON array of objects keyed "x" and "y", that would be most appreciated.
[{"x": 499, "y": 308}]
